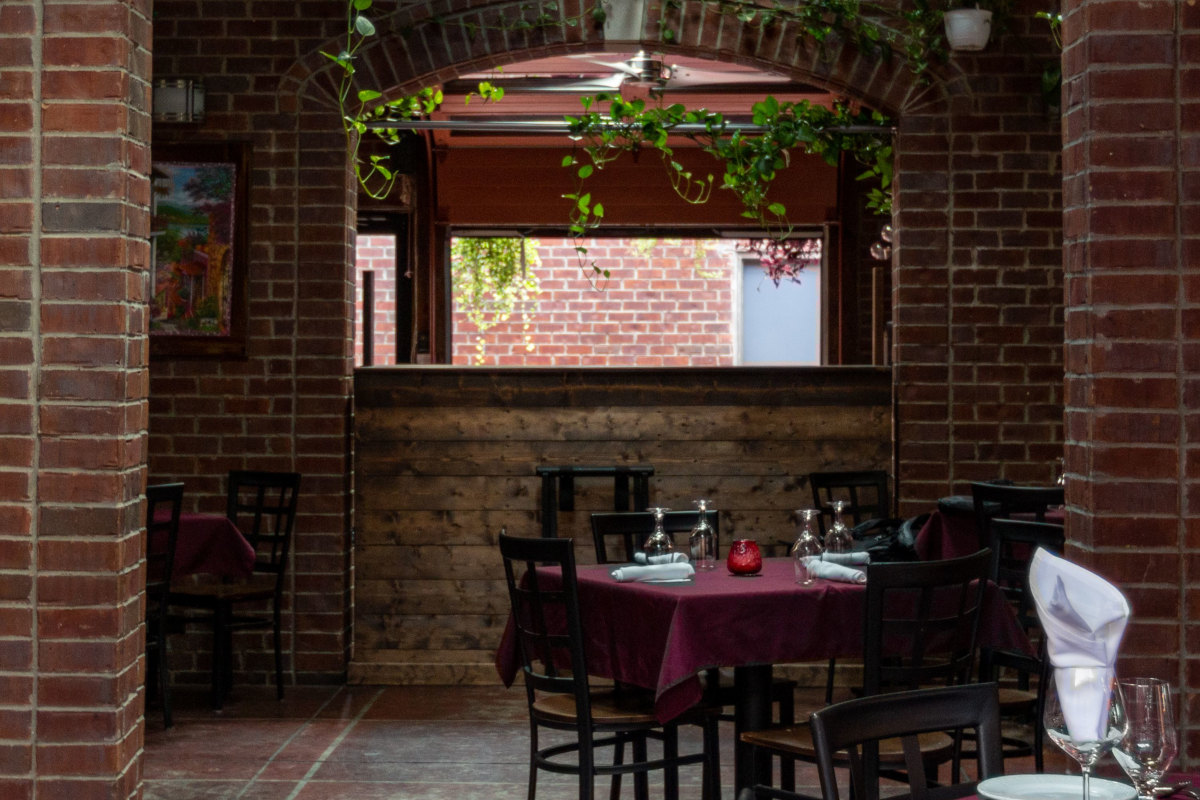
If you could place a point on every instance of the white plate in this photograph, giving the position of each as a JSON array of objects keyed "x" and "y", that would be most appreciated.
[{"x": 1051, "y": 787}]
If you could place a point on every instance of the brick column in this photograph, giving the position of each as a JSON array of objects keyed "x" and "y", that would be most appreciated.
[
  {"x": 73, "y": 252},
  {"x": 1130, "y": 200}
]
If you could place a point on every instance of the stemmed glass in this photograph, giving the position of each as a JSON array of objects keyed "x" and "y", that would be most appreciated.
[
  {"x": 838, "y": 538},
  {"x": 1149, "y": 744},
  {"x": 658, "y": 543},
  {"x": 1084, "y": 691}
]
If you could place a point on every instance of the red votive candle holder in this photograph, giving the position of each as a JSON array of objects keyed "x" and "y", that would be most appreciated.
[{"x": 744, "y": 557}]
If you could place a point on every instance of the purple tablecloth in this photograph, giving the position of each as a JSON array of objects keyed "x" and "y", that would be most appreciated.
[
  {"x": 952, "y": 534},
  {"x": 209, "y": 544},
  {"x": 664, "y": 636}
]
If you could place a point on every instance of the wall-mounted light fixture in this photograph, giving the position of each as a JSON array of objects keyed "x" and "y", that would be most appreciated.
[
  {"x": 882, "y": 250},
  {"x": 178, "y": 100}
]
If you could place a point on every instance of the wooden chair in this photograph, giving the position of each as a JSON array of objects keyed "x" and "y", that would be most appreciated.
[
  {"x": 866, "y": 491},
  {"x": 550, "y": 641},
  {"x": 920, "y": 626},
  {"x": 853, "y": 732},
  {"x": 164, "y": 502},
  {"x": 1000, "y": 500},
  {"x": 263, "y": 507},
  {"x": 1013, "y": 544}
]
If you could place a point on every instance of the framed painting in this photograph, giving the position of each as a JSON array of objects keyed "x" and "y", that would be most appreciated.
[{"x": 198, "y": 230}]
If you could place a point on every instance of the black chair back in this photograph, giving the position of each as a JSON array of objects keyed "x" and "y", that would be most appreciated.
[
  {"x": 1001, "y": 501},
  {"x": 866, "y": 492},
  {"x": 545, "y": 615},
  {"x": 263, "y": 507},
  {"x": 856, "y": 726},
  {"x": 164, "y": 503},
  {"x": 922, "y": 622},
  {"x": 619, "y": 535}
]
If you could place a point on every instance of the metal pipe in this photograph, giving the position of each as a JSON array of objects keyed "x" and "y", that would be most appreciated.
[{"x": 561, "y": 127}]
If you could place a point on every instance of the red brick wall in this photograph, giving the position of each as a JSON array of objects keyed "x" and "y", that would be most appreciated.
[
  {"x": 667, "y": 303},
  {"x": 977, "y": 286},
  {"x": 376, "y": 254},
  {"x": 73, "y": 253},
  {"x": 284, "y": 405},
  {"x": 1131, "y": 194}
]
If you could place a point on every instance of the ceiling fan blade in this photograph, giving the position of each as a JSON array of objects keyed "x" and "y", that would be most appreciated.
[{"x": 690, "y": 76}]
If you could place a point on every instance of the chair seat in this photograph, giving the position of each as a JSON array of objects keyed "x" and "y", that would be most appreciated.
[
  {"x": 260, "y": 586},
  {"x": 608, "y": 708},
  {"x": 1017, "y": 701},
  {"x": 797, "y": 740}
]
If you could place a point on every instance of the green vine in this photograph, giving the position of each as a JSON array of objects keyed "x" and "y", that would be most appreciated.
[
  {"x": 611, "y": 125},
  {"x": 492, "y": 278}
]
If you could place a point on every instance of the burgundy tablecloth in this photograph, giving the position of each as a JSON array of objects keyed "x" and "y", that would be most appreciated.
[
  {"x": 952, "y": 534},
  {"x": 663, "y": 636},
  {"x": 210, "y": 544}
]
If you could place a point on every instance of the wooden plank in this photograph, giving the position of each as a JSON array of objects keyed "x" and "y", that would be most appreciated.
[
  {"x": 421, "y": 387},
  {"x": 417, "y": 597},
  {"x": 711, "y": 457},
  {"x": 620, "y": 424}
]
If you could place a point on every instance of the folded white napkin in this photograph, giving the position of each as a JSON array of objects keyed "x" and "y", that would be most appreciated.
[
  {"x": 830, "y": 571},
  {"x": 654, "y": 572},
  {"x": 1084, "y": 617},
  {"x": 857, "y": 559},
  {"x": 670, "y": 558}
]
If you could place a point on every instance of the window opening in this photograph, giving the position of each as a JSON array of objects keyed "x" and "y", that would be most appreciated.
[
  {"x": 383, "y": 292},
  {"x": 670, "y": 302}
]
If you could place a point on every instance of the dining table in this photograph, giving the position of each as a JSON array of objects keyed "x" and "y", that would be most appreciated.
[
  {"x": 211, "y": 544},
  {"x": 951, "y": 530},
  {"x": 664, "y": 636}
]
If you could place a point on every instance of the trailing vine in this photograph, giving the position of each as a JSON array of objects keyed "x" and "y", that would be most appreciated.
[
  {"x": 493, "y": 277},
  {"x": 611, "y": 125}
]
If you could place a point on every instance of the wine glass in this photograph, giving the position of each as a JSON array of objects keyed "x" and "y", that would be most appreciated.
[
  {"x": 838, "y": 538},
  {"x": 1084, "y": 715},
  {"x": 806, "y": 546},
  {"x": 659, "y": 543},
  {"x": 1149, "y": 744}
]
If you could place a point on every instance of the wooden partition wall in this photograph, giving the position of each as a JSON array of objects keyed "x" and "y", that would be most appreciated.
[{"x": 445, "y": 457}]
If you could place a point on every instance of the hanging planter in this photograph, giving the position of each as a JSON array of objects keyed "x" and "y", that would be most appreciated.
[{"x": 968, "y": 28}]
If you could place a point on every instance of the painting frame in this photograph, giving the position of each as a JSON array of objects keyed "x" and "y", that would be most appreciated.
[{"x": 199, "y": 212}]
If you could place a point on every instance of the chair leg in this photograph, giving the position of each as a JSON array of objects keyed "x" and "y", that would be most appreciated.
[
  {"x": 712, "y": 760},
  {"x": 278, "y": 654},
  {"x": 533, "y": 747},
  {"x": 671, "y": 772},
  {"x": 614, "y": 791},
  {"x": 164, "y": 675},
  {"x": 641, "y": 781},
  {"x": 222, "y": 666},
  {"x": 787, "y": 716}
]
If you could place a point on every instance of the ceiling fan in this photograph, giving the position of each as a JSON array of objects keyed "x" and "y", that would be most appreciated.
[{"x": 640, "y": 71}]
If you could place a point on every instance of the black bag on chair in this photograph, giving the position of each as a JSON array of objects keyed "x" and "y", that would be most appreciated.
[{"x": 888, "y": 539}]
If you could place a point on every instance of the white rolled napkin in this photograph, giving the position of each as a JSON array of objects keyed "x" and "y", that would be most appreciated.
[
  {"x": 830, "y": 571},
  {"x": 854, "y": 559},
  {"x": 670, "y": 558},
  {"x": 1084, "y": 618},
  {"x": 654, "y": 572}
]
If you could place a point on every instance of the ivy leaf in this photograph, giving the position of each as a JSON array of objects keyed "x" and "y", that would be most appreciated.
[
  {"x": 367, "y": 95},
  {"x": 585, "y": 171},
  {"x": 362, "y": 5},
  {"x": 777, "y": 209},
  {"x": 568, "y": 161},
  {"x": 598, "y": 210},
  {"x": 364, "y": 26}
]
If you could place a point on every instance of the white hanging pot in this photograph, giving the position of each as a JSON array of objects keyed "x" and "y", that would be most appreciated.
[{"x": 968, "y": 28}]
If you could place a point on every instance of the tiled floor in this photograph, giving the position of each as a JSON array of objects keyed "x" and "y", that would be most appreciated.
[{"x": 371, "y": 743}]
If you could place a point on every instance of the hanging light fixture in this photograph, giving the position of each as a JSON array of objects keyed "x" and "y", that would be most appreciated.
[{"x": 178, "y": 100}]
